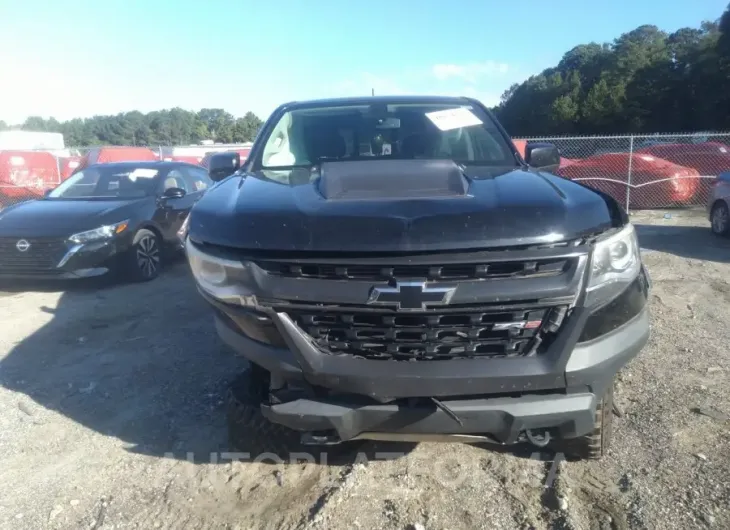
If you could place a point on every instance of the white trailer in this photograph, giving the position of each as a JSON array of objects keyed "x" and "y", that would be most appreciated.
[{"x": 31, "y": 141}]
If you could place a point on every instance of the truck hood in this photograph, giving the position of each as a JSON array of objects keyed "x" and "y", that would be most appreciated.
[
  {"x": 62, "y": 218},
  {"x": 304, "y": 210}
]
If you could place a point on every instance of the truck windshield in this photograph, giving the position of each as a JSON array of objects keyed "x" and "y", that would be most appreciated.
[{"x": 309, "y": 136}]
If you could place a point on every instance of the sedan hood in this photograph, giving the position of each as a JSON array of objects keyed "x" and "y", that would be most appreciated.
[
  {"x": 62, "y": 218},
  {"x": 305, "y": 210}
]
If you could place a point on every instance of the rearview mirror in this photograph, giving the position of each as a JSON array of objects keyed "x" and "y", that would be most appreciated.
[
  {"x": 542, "y": 156},
  {"x": 222, "y": 165},
  {"x": 174, "y": 193}
]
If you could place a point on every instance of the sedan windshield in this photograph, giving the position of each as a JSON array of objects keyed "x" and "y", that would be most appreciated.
[
  {"x": 107, "y": 182},
  {"x": 309, "y": 136}
]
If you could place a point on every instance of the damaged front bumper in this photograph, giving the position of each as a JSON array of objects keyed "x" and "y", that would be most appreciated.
[{"x": 504, "y": 399}]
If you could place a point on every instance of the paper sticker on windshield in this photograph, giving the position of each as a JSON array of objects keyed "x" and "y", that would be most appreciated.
[
  {"x": 387, "y": 149},
  {"x": 450, "y": 119},
  {"x": 142, "y": 173}
]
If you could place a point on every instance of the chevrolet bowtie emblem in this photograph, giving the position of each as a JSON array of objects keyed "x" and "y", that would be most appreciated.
[{"x": 411, "y": 296}]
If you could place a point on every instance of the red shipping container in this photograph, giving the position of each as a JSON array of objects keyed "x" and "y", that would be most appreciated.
[
  {"x": 206, "y": 160},
  {"x": 68, "y": 165},
  {"x": 105, "y": 155},
  {"x": 520, "y": 145},
  {"x": 182, "y": 158},
  {"x": 243, "y": 153}
]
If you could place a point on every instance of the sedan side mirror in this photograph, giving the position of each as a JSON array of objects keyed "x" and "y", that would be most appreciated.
[
  {"x": 222, "y": 165},
  {"x": 542, "y": 156},
  {"x": 173, "y": 193}
]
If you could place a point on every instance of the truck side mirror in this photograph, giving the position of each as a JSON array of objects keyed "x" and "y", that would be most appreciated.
[
  {"x": 222, "y": 165},
  {"x": 542, "y": 156}
]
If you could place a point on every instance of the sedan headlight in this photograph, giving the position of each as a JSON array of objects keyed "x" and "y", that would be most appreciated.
[
  {"x": 222, "y": 278},
  {"x": 616, "y": 263},
  {"x": 103, "y": 232}
]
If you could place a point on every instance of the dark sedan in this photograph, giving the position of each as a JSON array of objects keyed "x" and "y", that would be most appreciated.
[{"x": 119, "y": 217}]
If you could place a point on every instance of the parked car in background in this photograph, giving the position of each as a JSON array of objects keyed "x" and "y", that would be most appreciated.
[
  {"x": 118, "y": 217},
  {"x": 25, "y": 175},
  {"x": 718, "y": 205},
  {"x": 709, "y": 159},
  {"x": 654, "y": 182},
  {"x": 641, "y": 144}
]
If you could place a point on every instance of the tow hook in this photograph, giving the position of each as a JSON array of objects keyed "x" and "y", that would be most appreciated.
[
  {"x": 310, "y": 438},
  {"x": 538, "y": 438}
]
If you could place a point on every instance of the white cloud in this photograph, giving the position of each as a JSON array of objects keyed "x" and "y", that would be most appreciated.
[{"x": 470, "y": 72}]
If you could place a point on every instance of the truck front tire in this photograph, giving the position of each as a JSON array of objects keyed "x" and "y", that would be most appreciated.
[
  {"x": 594, "y": 445},
  {"x": 251, "y": 433}
]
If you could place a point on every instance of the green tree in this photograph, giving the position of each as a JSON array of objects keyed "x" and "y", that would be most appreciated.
[
  {"x": 602, "y": 106},
  {"x": 162, "y": 127},
  {"x": 645, "y": 81},
  {"x": 220, "y": 124},
  {"x": 245, "y": 129}
]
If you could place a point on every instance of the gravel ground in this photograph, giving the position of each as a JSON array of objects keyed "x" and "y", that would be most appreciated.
[{"x": 111, "y": 417}]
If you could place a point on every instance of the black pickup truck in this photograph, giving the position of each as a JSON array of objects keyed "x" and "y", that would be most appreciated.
[{"x": 394, "y": 269}]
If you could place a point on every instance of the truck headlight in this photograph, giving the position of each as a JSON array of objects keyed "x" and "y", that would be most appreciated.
[
  {"x": 222, "y": 278},
  {"x": 103, "y": 232},
  {"x": 182, "y": 233},
  {"x": 616, "y": 263}
]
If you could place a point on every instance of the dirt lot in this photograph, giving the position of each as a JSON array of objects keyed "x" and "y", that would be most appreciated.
[{"x": 111, "y": 417}]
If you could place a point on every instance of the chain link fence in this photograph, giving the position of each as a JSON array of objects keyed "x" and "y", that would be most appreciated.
[
  {"x": 640, "y": 171},
  {"x": 646, "y": 171}
]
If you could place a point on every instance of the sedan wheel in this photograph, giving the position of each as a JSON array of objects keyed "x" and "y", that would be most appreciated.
[
  {"x": 720, "y": 219},
  {"x": 147, "y": 256}
]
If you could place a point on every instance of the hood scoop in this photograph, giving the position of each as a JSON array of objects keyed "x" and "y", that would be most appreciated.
[{"x": 391, "y": 179}]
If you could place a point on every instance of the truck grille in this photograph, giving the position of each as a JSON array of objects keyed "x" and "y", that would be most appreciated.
[
  {"x": 459, "y": 271},
  {"x": 431, "y": 335},
  {"x": 42, "y": 255}
]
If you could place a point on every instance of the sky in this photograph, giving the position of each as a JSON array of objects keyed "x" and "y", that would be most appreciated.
[{"x": 79, "y": 58}]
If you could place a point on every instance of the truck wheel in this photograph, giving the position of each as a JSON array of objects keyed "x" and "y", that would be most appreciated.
[
  {"x": 250, "y": 432},
  {"x": 594, "y": 445}
]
